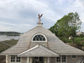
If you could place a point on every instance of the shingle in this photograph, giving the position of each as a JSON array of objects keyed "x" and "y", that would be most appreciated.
[
  {"x": 53, "y": 43},
  {"x": 39, "y": 51}
]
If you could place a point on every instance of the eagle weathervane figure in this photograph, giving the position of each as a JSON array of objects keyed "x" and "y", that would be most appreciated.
[{"x": 39, "y": 18}]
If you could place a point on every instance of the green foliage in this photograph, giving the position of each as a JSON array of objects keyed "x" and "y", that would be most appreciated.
[
  {"x": 66, "y": 40},
  {"x": 67, "y": 26},
  {"x": 79, "y": 40}
]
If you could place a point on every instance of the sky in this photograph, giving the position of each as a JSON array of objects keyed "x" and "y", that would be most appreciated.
[{"x": 22, "y": 15}]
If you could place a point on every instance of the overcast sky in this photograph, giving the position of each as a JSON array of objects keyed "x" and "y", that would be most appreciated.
[{"x": 22, "y": 15}]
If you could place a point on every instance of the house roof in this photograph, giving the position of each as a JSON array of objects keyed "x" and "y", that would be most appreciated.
[
  {"x": 39, "y": 51},
  {"x": 53, "y": 43}
]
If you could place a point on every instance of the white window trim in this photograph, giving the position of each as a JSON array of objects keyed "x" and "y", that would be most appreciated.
[
  {"x": 15, "y": 59},
  {"x": 61, "y": 60},
  {"x": 39, "y": 34}
]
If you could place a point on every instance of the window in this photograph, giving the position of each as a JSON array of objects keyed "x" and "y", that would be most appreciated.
[
  {"x": 58, "y": 59},
  {"x": 38, "y": 60},
  {"x": 15, "y": 59},
  {"x": 63, "y": 58},
  {"x": 39, "y": 38},
  {"x": 12, "y": 58},
  {"x": 73, "y": 56}
]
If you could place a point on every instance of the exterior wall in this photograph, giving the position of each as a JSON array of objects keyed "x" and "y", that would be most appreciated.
[
  {"x": 52, "y": 60},
  {"x": 69, "y": 59},
  {"x": 23, "y": 60},
  {"x": 78, "y": 59}
]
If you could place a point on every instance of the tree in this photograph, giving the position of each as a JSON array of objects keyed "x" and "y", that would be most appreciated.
[{"x": 67, "y": 25}]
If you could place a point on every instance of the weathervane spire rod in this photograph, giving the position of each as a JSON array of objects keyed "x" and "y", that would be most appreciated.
[{"x": 39, "y": 18}]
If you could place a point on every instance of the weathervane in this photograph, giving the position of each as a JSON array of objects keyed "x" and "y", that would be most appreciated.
[{"x": 39, "y": 18}]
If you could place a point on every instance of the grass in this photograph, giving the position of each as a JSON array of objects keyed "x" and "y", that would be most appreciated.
[{"x": 7, "y": 44}]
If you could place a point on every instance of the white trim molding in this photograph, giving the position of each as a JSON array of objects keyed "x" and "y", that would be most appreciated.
[{"x": 39, "y": 34}]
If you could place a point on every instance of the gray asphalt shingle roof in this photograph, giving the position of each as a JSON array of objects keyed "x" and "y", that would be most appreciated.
[{"x": 39, "y": 51}]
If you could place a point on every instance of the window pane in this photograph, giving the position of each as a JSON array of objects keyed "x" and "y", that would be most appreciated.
[
  {"x": 12, "y": 58},
  {"x": 73, "y": 56},
  {"x": 58, "y": 59},
  {"x": 17, "y": 59},
  {"x": 39, "y": 38},
  {"x": 63, "y": 58}
]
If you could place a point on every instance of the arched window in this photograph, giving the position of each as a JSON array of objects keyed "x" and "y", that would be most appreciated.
[{"x": 39, "y": 38}]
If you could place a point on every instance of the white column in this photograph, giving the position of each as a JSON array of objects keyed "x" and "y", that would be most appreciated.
[
  {"x": 28, "y": 60},
  {"x": 7, "y": 59}
]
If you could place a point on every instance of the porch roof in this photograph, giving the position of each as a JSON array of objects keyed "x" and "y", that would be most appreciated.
[{"x": 38, "y": 51}]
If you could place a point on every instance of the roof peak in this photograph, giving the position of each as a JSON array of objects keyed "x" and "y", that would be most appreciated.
[
  {"x": 39, "y": 20},
  {"x": 36, "y": 51}
]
